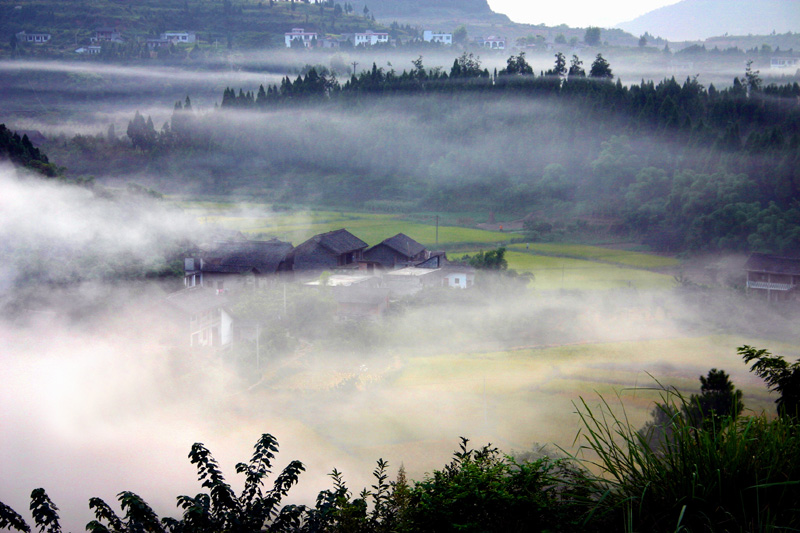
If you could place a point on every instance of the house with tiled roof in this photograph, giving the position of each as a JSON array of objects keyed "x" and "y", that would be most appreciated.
[
  {"x": 772, "y": 277},
  {"x": 395, "y": 252},
  {"x": 330, "y": 250},
  {"x": 234, "y": 265}
]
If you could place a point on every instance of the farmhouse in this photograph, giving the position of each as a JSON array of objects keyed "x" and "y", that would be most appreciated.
[
  {"x": 237, "y": 265},
  {"x": 35, "y": 38},
  {"x": 299, "y": 34},
  {"x": 328, "y": 250},
  {"x": 179, "y": 37},
  {"x": 400, "y": 250},
  {"x": 430, "y": 36},
  {"x": 784, "y": 62},
  {"x": 370, "y": 38},
  {"x": 493, "y": 42},
  {"x": 107, "y": 34},
  {"x": 455, "y": 275},
  {"x": 773, "y": 278},
  {"x": 204, "y": 316}
]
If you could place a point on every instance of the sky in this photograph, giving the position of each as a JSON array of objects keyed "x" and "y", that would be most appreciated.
[{"x": 576, "y": 13}]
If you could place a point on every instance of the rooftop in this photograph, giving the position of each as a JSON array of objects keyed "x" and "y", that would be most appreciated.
[{"x": 772, "y": 264}]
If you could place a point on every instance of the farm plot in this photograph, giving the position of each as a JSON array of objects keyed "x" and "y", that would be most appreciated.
[
  {"x": 528, "y": 395},
  {"x": 598, "y": 253},
  {"x": 296, "y": 227},
  {"x": 555, "y": 273}
]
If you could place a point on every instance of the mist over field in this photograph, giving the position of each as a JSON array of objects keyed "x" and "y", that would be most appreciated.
[{"x": 103, "y": 394}]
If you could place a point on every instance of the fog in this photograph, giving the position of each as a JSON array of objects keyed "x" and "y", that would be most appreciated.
[
  {"x": 102, "y": 394},
  {"x": 86, "y": 96}
]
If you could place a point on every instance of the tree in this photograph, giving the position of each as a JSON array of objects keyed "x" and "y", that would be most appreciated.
[
  {"x": 600, "y": 69},
  {"x": 490, "y": 260},
  {"x": 560, "y": 67},
  {"x": 466, "y": 66},
  {"x": 482, "y": 490},
  {"x": 642, "y": 41},
  {"x": 592, "y": 36},
  {"x": 753, "y": 79},
  {"x": 576, "y": 68},
  {"x": 460, "y": 35},
  {"x": 782, "y": 377},
  {"x": 719, "y": 400},
  {"x": 560, "y": 39},
  {"x": 517, "y": 65}
]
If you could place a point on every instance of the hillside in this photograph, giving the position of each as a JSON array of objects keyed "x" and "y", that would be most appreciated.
[
  {"x": 435, "y": 10},
  {"x": 700, "y": 19},
  {"x": 242, "y": 23}
]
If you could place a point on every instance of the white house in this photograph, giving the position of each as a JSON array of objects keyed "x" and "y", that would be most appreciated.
[
  {"x": 178, "y": 37},
  {"x": 203, "y": 316},
  {"x": 35, "y": 38},
  {"x": 493, "y": 42},
  {"x": 784, "y": 62},
  {"x": 92, "y": 50},
  {"x": 430, "y": 36},
  {"x": 299, "y": 34},
  {"x": 369, "y": 38}
]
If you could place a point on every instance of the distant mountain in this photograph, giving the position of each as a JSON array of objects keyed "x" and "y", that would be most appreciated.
[{"x": 699, "y": 19}]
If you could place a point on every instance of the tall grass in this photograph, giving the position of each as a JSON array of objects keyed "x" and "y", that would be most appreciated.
[{"x": 741, "y": 476}]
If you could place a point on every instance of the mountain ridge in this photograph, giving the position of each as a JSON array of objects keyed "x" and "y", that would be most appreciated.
[{"x": 691, "y": 20}]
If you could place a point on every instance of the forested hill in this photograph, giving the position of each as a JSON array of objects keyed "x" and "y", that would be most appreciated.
[
  {"x": 20, "y": 151},
  {"x": 700, "y": 19},
  {"x": 679, "y": 165}
]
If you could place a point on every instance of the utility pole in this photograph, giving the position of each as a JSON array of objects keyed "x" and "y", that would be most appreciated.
[
  {"x": 355, "y": 64},
  {"x": 437, "y": 231},
  {"x": 258, "y": 348}
]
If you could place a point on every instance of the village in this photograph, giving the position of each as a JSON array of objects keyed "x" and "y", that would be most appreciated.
[
  {"x": 296, "y": 38},
  {"x": 363, "y": 280}
]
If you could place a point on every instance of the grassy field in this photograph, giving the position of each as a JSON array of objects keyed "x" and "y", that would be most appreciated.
[
  {"x": 554, "y": 273},
  {"x": 598, "y": 253},
  {"x": 296, "y": 227},
  {"x": 529, "y": 394},
  {"x": 555, "y": 266}
]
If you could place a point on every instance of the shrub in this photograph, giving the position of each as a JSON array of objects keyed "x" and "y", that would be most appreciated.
[{"x": 742, "y": 476}]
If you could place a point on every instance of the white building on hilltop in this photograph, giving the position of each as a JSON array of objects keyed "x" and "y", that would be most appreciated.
[
  {"x": 178, "y": 37},
  {"x": 430, "y": 36},
  {"x": 493, "y": 42},
  {"x": 299, "y": 34},
  {"x": 369, "y": 38}
]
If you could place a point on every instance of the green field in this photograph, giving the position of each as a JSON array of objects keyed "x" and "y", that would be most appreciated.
[
  {"x": 518, "y": 397},
  {"x": 598, "y": 253},
  {"x": 554, "y": 266},
  {"x": 298, "y": 226},
  {"x": 554, "y": 273}
]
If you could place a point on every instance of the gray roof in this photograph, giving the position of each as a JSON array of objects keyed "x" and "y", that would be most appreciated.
[
  {"x": 404, "y": 245},
  {"x": 339, "y": 241},
  {"x": 773, "y": 264},
  {"x": 245, "y": 256}
]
